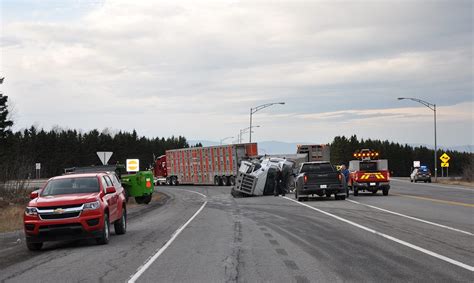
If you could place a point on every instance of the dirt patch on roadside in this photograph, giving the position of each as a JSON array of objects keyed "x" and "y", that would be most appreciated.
[
  {"x": 11, "y": 217},
  {"x": 155, "y": 198}
]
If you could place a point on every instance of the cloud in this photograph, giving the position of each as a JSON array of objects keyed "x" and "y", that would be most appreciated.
[{"x": 176, "y": 63}]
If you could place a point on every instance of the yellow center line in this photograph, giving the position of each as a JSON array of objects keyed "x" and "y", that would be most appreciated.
[{"x": 437, "y": 200}]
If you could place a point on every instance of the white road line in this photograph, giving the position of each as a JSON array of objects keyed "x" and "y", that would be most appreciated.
[
  {"x": 432, "y": 185},
  {"x": 420, "y": 249},
  {"x": 194, "y": 192},
  {"x": 413, "y": 218},
  {"x": 152, "y": 259}
]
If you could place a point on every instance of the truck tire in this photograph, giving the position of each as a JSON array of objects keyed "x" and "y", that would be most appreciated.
[
  {"x": 217, "y": 180},
  {"x": 104, "y": 238},
  {"x": 174, "y": 181},
  {"x": 168, "y": 181},
  {"x": 139, "y": 200},
  {"x": 232, "y": 180},
  {"x": 356, "y": 191},
  {"x": 385, "y": 191},
  {"x": 147, "y": 199},
  {"x": 120, "y": 226},
  {"x": 34, "y": 246},
  {"x": 225, "y": 181}
]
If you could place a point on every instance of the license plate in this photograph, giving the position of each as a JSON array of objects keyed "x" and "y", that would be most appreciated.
[
  {"x": 323, "y": 186},
  {"x": 372, "y": 184}
]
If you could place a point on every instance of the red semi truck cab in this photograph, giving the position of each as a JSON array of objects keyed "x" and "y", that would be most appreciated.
[
  {"x": 368, "y": 173},
  {"x": 160, "y": 171}
]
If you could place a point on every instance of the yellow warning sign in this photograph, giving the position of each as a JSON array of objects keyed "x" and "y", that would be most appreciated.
[
  {"x": 133, "y": 165},
  {"x": 445, "y": 164},
  {"x": 445, "y": 158}
]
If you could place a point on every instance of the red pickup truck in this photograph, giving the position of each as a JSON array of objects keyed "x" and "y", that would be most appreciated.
[
  {"x": 369, "y": 173},
  {"x": 76, "y": 206}
]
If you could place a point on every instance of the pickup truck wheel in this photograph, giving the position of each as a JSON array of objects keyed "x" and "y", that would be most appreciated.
[
  {"x": 120, "y": 226},
  {"x": 385, "y": 192},
  {"x": 174, "y": 181},
  {"x": 356, "y": 191},
  {"x": 104, "y": 238},
  {"x": 232, "y": 180},
  {"x": 340, "y": 197},
  {"x": 34, "y": 246}
]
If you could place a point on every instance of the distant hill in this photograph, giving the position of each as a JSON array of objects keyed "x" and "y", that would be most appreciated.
[{"x": 277, "y": 147}]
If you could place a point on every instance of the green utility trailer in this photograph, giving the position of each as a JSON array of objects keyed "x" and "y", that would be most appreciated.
[{"x": 139, "y": 185}]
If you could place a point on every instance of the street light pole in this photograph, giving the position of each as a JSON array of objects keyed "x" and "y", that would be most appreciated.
[
  {"x": 226, "y": 138},
  {"x": 243, "y": 131},
  {"x": 258, "y": 108},
  {"x": 433, "y": 108}
]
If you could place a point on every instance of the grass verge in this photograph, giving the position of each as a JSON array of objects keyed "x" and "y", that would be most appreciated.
[{"x": 456, "y": 182}]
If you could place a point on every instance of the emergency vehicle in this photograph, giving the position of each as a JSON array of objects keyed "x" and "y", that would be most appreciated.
[
  {"x": 368, "y": 173},
  {"x": 216, "y": 165}
]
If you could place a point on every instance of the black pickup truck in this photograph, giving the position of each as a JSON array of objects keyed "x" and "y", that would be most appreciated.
[{"x": 320, "y": 178}]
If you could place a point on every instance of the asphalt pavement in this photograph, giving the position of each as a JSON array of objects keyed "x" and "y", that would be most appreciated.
[{"x": 419, "y": 233}]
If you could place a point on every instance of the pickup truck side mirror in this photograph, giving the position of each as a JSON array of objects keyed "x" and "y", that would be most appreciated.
[
  {"x": 34, "y": 194},
  {"x": 110, "y": 190}
]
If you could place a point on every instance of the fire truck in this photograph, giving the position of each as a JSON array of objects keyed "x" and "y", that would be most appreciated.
[
  {"x": 216, "y": 165},
  {"x": 368, "y": 173}
]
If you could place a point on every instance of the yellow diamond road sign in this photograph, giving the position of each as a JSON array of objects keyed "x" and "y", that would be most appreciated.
[
  {"x": 445, "y": 158},
  {"x": 445, "y": 164}
]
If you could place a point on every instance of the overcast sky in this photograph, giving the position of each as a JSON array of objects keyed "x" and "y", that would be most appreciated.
[{"x": 195, "y": 68}]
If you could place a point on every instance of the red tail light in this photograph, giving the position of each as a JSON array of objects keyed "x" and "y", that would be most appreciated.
[
  {"x": 305, "y": 179},
  {"x": 340, "y": 177},
  {"x": 388, "y": 176}
]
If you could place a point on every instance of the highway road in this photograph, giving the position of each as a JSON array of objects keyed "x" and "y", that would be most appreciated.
[{"x": 420, "y": 232}]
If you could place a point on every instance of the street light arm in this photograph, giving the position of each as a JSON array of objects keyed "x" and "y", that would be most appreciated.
[
  {"x": 425, "y": 103},
  {"x": 263, "y": 106}
]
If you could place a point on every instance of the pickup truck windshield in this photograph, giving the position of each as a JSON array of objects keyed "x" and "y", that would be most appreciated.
[
  {"x": 71, "y": 186},
  {"x": 317, "y": 168}
]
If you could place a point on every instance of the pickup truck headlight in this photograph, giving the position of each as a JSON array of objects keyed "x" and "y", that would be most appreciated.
[
  {"x": 92, "y": 205},
  {"x": 31, "y": 211}
]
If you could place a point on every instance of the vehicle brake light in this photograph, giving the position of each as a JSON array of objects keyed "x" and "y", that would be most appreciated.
[
  {"x": 305, "y": 179},
  {"x": 388, "y": 176},
  {"x": 340, "y": 177}
]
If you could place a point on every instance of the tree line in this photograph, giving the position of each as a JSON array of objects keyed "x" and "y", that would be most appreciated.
[
  {"x": 57, "y": 149},
  {"x": 400, "y": 156}
]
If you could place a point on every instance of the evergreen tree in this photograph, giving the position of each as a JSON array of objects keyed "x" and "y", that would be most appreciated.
[{"x": 5, "y": 123}]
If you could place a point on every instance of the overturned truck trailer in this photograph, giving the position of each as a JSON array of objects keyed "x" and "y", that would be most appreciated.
[{"x": 260, "y": 177}]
